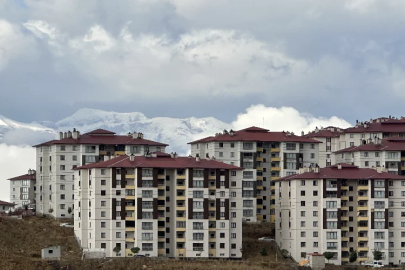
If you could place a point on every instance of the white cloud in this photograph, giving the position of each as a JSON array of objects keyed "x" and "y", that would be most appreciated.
[
  {"x": 14, "y": 161},
  {"x": 284, "y": 118},
  {"x": 13, "y": 43}
]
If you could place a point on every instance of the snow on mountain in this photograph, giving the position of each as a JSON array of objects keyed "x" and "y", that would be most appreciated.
[{"x": 173, "y": 131}]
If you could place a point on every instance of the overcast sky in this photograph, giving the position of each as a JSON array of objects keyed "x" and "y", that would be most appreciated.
[{"x": 182, "y": 58}]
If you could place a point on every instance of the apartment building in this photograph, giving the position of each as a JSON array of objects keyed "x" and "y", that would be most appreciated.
[
  {"x": 56, "y": 160},
  {"x": 388, "y": 153},
  {"x": 342, "y": 208},
  {"x": 367, "y": 131},
  {"x": 265, "y": 156},
  {"x": 164, "y": 204},
  {"x": 22, "y": 189},
  {"x": 330, "y": 138}
]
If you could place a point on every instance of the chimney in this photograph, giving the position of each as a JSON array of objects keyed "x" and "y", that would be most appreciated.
[
  {"x": 141, "y": 135},
  {"x": 60, "y": 135},
  {"x": 175, "y": 155},
  {"x": 132, "y": 157},
  {"x": 76, "y": 134},
  {"x": 106, "y": 158},
  {"x": 172, "y": 155},
  {"x": 69, "y": 134},
  {"x": 339, "y": 166},
  {"x": 302, "y": 133},
  {"x": 197, "y": 158},
  {"x": 65, "y": 135},
  {"x": 129, "y": 134},
  {"x": 154, "y": 154}
]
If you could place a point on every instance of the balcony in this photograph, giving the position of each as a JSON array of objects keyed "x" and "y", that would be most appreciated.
[
  {"x": 362, "y": 218},
  {"x": 130, "y": 197},
  {"x": 345, "y": 248},
  {"x": 260, "y": 159},
  {"x": 344, "y": 198},
  {"x": 259, "y": 168},
  {"x": 276, "y": 169},
  {"x": 362, "y": 208},
  {"x": 359, "y": 249},
  {"x": 130, "y": 176},
  {"x": 345, "y": 238},
  {"x": 275, "y": 159},
  {"x": 345, "y": 228},
  {"x": 274, "y": 178},
  {"x": 181, "y": 176},
  {"x": 130, "y": 218},
  {"x": 129, "y": 229},
  {"x": 362, "y": 228},
  {"x": 344, "y": 187},
  {"x": 362, "y": 239},
  {"x": 132, "y": 240},
  {"x": 344, "y": 218},
  {"x": 130, "y": 207},
  {"x": 362, "y": 188},
  {"x": 259, "y": 149},
  {"x": 129, "y": 187},
  {"x": 274, "y": 150}
]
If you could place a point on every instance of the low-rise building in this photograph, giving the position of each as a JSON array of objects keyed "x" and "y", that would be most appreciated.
[
  {"x": 164, "y": 204},
  {"x": 22, "y": 189},
  {"x": 342, "y": 208},
  {"x": 6, "y": 206}
]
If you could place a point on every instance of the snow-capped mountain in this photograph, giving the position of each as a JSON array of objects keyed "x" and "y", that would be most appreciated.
[{"x": 173, "y": 131}]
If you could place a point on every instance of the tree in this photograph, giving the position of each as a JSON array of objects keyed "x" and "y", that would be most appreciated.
[
  {"x": 117, "y": 250},
  {"x": 264, "y": 252},
  {"x": 377, "y": 255},
  {"x": 284, "y": 252},
  {"x": 26, "y": 207},
  {"x": 328, "y": 255},
  {"x": 70, "y": 210},
  {"x": 135, "y": 250},
  {"x": 50, "y": 210},
  {"x": 353, "y": 256}
]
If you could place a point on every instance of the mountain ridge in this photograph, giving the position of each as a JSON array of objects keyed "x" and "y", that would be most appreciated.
[{"x": 176, "y": 132}]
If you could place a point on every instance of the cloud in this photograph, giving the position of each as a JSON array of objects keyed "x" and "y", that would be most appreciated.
[
  {"x": 284, "y": 119},
  {"x": 14, "y": 161},
  {"x": 25, "y": 136}
]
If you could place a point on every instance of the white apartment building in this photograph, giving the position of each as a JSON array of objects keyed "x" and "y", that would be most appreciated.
[
  {"x": 22, "y": 189},
  {"x": 330, "y": 138},
  {"x": 6, "y": 206},
  {"x": 56, "y": 160},
  {"x": 163, "y": 204},
  {"x": 342, "y": 208},
  {"x": 265, "y": 156},
  {"x": 388, "y": 153}
]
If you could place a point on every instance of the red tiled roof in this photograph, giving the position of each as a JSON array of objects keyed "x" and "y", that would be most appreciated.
[
  {"x": 255, "y": 134},
  {"x": 6, "y": 203},
  {"x": 348, "y": 171},
  {"x": 388, "y": 144},
  {"x": 100, "y": 132},
  {"x": 160, "y": 162},
  {"x": 392, "y": 125},
  {"x": 323, "y": 134},
  {"x": 24, "y": 177},
  {"x": 94, "y": 138}
]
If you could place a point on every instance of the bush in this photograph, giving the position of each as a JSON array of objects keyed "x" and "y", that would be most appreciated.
[{"x": 264, "y": 252}]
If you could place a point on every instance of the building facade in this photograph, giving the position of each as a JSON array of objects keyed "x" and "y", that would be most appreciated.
[
  {"x": 388, "y": 153},
  {"x": 6, "y": 206},
  {"x": 22, "y": 190},
  {"x": 56, "y": 160},
  {"x": 265, "y": 156},
  {"x": 163, "y": 204},
  {"x": 340, "y": 209},
  {"x": 330, "y": 138}
]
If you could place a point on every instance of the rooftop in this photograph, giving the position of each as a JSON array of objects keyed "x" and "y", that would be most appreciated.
[
  {"x": 342, "y": 171},
  {"x": 160, "y": 160},
  {"x": 328, "y": 132},
  {"x": 29, "y": 176},
  {"x": 255, "y": 134},
  {"x": 102, "y": 136},
  {"x": 387, "y": 144},
  {"x": 382, "y": 124},
  {"x": 6, "y": 203}
]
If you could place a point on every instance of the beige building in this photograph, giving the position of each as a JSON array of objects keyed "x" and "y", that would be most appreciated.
[
  {"x": 56, "y": 160},
  {"x": 163, "y": 204},
  {"x": 6, "y": 206},
  {"x": 265, "y": 156},
  {"x": 342, "y": 208},
  {"x": 22, "y": 189}
]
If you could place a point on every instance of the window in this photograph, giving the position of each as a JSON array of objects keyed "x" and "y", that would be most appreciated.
[
  {"x": 291, "y": 146},
  {"x": 102, "y": 235},
  {"x": 62, "y": 167},
  {"x": 147, "y": 236},
  {"x": 315, "y": 224},
  {"x": 302, "y": 182},
  {"x": 331, "y": 235},
  {"x": 221, "y": 154},
  {"x": 302, "y": 213},
  {"x": 102, "y": 171},
  {"x": 303, "y": 244},
  {"x": 302, "y": 192},
  {"x": 102, "y": 192},
  {"x": 315, "y": 203},
  {"x": 302, "y": 203},
  {"x": 315, "y": 234},
  {"x": 315, "y": 213},
  {"x": 147, "y": 193},
  {"x": 198, "y": 236},
  {"x": 302, "y": 223},
  {"x": 366, "y": 164},
  {"x": 312, "y": 155},
  {"x": 302, "y": 234},
  {"x": 331, "y": 204},
  {"x": 315, "y": 193},
  {"x": 198, "y": 194},
  {"x": 147, "y": 246},
  {"x": 62, "y": 196}
]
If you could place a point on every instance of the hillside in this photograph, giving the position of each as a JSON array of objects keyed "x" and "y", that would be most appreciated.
[{"x": 21, "y": 242}]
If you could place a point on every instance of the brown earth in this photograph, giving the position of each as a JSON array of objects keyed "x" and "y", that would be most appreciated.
[{"x": 21, "y": 242}]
